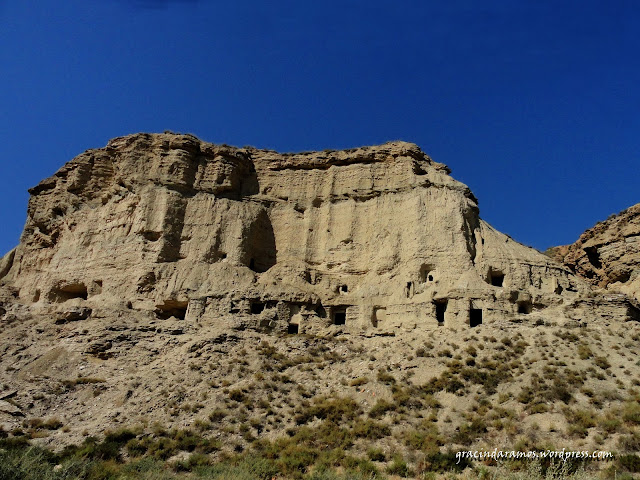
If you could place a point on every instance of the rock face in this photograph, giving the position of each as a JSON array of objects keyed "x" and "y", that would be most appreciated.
[
  {"x": 369, "y": 240},
  {"x": 608, "y": 255}
]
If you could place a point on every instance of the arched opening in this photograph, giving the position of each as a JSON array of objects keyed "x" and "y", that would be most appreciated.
[
  {"x": 377, "y": 316},
  {"x": 426, "y": 273}
]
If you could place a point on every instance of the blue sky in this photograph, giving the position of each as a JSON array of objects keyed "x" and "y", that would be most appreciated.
[{"x": 533, "y": 104}]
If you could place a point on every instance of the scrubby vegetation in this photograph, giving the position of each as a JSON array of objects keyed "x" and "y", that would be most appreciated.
[{"x": 336, "y": 408}]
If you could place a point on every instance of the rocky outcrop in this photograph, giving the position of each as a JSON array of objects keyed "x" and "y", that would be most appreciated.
[
  {"x": 608, "y": 255},
  {"x": 369, "y": 239}
]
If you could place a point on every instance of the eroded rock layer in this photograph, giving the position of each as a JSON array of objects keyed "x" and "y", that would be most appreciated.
[
  {"x": 370, "y": 239},
  {"x": 608, "y": 255}
]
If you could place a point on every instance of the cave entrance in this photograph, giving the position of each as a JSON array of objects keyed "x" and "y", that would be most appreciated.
[
  {"x": 475, "y": 317},
  {"x": 593, "y": 256},
  {"x": 257, "y": 307},
  {"x": 426, "y": 273},
  {"x": 441, "y": 308},
  {"x": 496, "y": 278},
  {"x": 292, "y": 328},
  {"x": 525, "y": 307},
  {"x": 339, "y": 316},
  {"x": 172, "y": 308}
]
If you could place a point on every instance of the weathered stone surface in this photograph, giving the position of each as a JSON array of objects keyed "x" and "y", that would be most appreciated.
[
  {"x": 372, "y": 238},
  {"x": 608, "y": 255},
  {"x": 6, "y": 407},
  {"x": 73, "y": 314}
]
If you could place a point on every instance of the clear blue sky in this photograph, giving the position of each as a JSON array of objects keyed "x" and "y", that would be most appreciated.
[{"x": 533, "y": 104}]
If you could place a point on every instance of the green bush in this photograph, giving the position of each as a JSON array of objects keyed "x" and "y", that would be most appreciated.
[
  {"x": 376, "y": 455},
  {"x": 380, "y": 408},
  {"x": 337, "y": 410},
  {"x": 371, "y": 430},
  {"x": 630, "y": 463},
  {"x": 399, "y": 467}
]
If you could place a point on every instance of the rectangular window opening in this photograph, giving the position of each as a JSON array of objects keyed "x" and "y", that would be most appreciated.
[
  {"x": 340, "y": 316},
  {"x": 475, "y": 317}
]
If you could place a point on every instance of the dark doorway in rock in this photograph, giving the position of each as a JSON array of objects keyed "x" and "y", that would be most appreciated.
[
  {"x": 292, "y": 328},
  {"x": 441, "y": 308},
  {"x": 496, "y": 278},
  {"x": 339, "y": 316},
  {"x": 593, "y": 256},
  {"x": 257, "y": 307},
  {"x": 344, "y": 288},
  {"x": 408, "y": 290},
  {"x": 425, "y": 273},
  {"x": 524, "y": 307},
  {"x": 475, "y": 317}
]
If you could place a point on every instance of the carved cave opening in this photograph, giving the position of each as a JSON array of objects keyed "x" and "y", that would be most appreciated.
[
  {"x": 377, "y": 316},
  {"x": 67, "y": 292},
  {"x": 259, "y": 247},
  {"x": 292, "y": 328},
  {"x": 496, "y": 278},
  {"x": 172, "y": 308},
  {"x": 257, "y": 307},
  {"x": 426, "y": 273},
  {"x": 525, "y": 307},
  {"x": 339, "y": 316},
  {"x": 441, "y": 308},
  {"x": 475, "y": 317},
  {"x": 321, "y": 311}
]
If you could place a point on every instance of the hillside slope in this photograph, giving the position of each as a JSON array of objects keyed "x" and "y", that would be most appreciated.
[{"x": 312, "y": 308}]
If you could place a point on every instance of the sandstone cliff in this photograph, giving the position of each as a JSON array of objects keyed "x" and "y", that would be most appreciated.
[
  {"x": 608, "y": 255},
  {"x": 371, "y": 238}
]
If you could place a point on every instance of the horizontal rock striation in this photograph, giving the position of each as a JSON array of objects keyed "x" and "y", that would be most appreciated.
[{"x": 608, "y": 255}]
